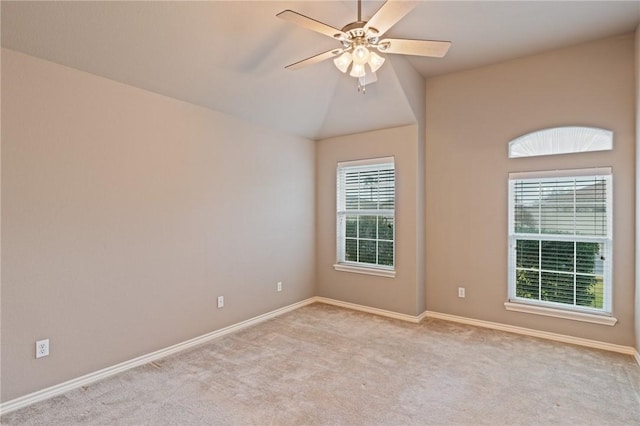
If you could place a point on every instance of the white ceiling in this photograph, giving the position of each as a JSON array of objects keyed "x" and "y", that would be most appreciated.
[{"x": 230, "y": 55}]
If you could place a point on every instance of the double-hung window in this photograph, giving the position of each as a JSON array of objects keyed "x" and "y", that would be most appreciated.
[
  {"x": 366, "y": 215},
  {"x": 560, "y": 239}
]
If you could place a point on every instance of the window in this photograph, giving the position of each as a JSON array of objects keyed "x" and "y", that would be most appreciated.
[
  {"x": 561, "y": 140},
  {"x": 560, "y": 239},
  {"x": 366, "y": 215}
]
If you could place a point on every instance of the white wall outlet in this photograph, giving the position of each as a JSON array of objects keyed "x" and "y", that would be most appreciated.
[
  {"x": 279, "y": 286},
  {"x": 461, "y": 292},
  {"x": 220, "y": 301},
  {"x": 42, "y": 348}
]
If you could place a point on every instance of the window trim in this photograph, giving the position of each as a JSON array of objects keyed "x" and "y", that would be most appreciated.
[
  {"x": 602, "y": 316},
  {"x": 358, "y": 267},
  {"x": 575, "y": 315},
  {"x": 368, "y": 270}
]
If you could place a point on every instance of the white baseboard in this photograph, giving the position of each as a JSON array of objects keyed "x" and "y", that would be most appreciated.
[
  {"x": 376, "y": 311},
  {"x": 628, "y": 350},
  {"x": 61, "y": 388}
]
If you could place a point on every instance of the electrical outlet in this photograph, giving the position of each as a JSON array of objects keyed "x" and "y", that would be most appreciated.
[
  {"x": 220, "y": 301},
  {"x": 279, "y": 286},
  {"x": 461, "y": 292},
  {"x": 42, "y": 348}
]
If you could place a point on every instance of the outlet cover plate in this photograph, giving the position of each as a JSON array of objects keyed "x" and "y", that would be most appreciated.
[{"x": 42, "y": 348}]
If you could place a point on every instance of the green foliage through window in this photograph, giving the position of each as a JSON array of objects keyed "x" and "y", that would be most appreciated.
[
  {"x": 369, "y": 239},
  {"x": 560, "y": 271}
]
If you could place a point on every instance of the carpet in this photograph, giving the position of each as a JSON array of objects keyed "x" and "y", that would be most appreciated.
[{"x": 324, "y": 365}]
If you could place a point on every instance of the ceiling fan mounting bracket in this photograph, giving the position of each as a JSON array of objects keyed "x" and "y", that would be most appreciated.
[
  {"x": 355, "y": 27},
  {"x": 383, "y": 47}
]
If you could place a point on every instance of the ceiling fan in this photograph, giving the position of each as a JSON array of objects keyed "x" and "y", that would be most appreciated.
[{"x": 360, "y": 39}]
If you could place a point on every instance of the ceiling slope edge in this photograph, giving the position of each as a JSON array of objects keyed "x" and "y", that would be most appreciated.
[
  {"x": 413, "y": 85},
  {"x": 384, "y": 105}
]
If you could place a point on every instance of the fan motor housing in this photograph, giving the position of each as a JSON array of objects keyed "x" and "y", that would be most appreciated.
[{"x": 357, "y": 33}]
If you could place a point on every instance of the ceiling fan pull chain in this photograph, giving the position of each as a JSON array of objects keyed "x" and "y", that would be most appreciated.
[{"x": 362, "y": 88}]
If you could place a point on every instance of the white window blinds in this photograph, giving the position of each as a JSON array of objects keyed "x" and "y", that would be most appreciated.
[
  {"x": 366, "y": 212},
  {"x": 560, "y": 238}
]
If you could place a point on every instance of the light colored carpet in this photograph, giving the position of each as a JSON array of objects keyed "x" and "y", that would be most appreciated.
[{"x": 327, "y": 365}]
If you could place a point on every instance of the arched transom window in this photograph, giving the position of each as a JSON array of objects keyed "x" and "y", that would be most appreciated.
[{"x": 561, "y": 140}]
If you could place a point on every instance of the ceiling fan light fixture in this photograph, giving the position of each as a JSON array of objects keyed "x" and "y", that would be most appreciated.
[
  {"x": 343, "y": 61},
  {"x": 357, "y": 70},
  {"x": 375, "y": 61},
  {"x": 360, "y": 55}
]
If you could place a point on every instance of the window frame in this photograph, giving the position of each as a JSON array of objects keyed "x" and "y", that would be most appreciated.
[
  {"x": 342, "y": 211},
  {"x": 557, "y": 309}
]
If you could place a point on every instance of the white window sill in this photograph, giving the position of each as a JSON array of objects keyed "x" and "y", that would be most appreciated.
[
  {"x": 559, "y": 313},
  {"x": 389, "y": 273}
]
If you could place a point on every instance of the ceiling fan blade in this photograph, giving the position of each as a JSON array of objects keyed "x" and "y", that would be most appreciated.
[
  {"x": 403, "y": 46},
  {"x": 315, "y": 59},
  {"x": 389, "y": 14},
  {"x": 311, "y": 24}
]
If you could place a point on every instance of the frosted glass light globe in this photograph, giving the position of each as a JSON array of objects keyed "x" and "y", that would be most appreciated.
[
  {"x": 375, "y": 61},
  {"x": 357, "y": 70},
  {"x": 360, "y": 55},
  {"x": 342, "y": 62}
]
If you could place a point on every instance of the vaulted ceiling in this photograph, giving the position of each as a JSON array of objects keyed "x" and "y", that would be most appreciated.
[{"x": 230, "y": 55}]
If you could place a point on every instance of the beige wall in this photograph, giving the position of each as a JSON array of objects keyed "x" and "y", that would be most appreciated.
[
  {"x": 637, "y": 312},
  {"x": 413, "y": 86},
  {"x": 405, "y": 292},
  {"x": 124, "y": 215},
  {"x": 398, "y": 294},
  {"x": 471, "y": 117}
]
